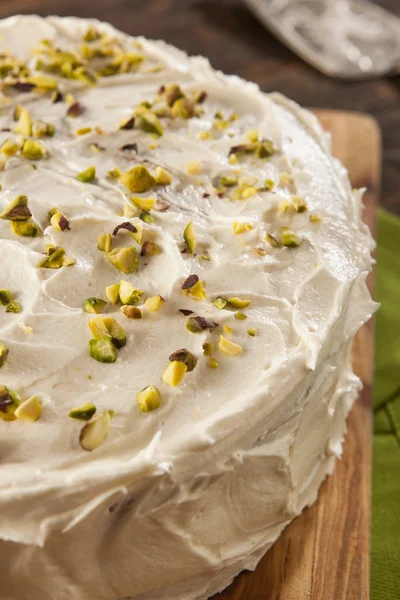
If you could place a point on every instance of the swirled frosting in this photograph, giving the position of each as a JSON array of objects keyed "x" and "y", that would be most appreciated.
[{"x": 176, "y": 501}]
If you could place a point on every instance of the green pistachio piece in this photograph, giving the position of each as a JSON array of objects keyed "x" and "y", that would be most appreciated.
[
  {"x": 228, "y": 181},
  {"x": 268, "y": 185},
  {"x": 124, "y": 259},
  {"x": 41, "y": 82},
  {"x": 185, "y": 357},
  {"x": 229, "y": 347},
  {"x": 9, "y": 402},
  {"x": 238, "y": 302},
  {"x": 315, "y": 218},
  {"x": 104, "y": 242},
  {"x": 183, "y": 108},
  {"x": 88, "y": 175},
  {"x": 174, "y": 373},
  {"x": 190, "y": 237},
  {"x": 60, "y": 222},
  {"x": 138, "y": 179},
  {"x": 94, "y": 305},
  {"x": 17, "y": 210},
  {"x": 13, "y": 307},
  {"x": 148, "y": 399},
  {"x": 200, "y": 324},
  {"x": 252, "y": 331},
  {"x": 4, "y": 352},
  {"x": 128, "y": 294},
  {"x": 146, "y": 217},
  {"x": 150, "y": 123},
  {"x": 193, "y": 288},
  {"x": 162, "y": 176},
  {"x": 207, "y": 349},
  {"x": 299, "y": 204},
  {"x": 131, "y": 312},
  {"x": 112, "y": 293},
  {"x": 85, "y": 75},
  {"x": 29, "y": 410},
  {"x": 53, "y": 211},
  {"x": 102, "y": 350},
  {"x": 290, "y": 239},
  {"x": 220, "y": 303},
  {"x": 128, "y": 123},
  {"x": 116, "y": 331},
  {"x": 150, "y": 248},
  {"x": 213, "y": 363},
  {"x": 54, "y": 260},
  {"x": 9, "y": 148},
  {"x": 41, "y": 129},
  {"x": 154, "y": 303},
  {"x": 114, "y": 173},
  {"x": 240, "y": 316},
  {"x": 92, "y": 35},
  {"x": 95, "y": 431},
  {"x": 33, "y": 150},
  {"x": 5, "y": 297},
  {"x": 98, "y": 327},
  {"x": 172, "y": 93},
  {"x": 265, "y": 149},
  {"x": 25, "y": 228},
  {"x": 83, "y": 412},
  {"x": 145, "y": 204},
  {"x": 24, "y": 126},
  {"x": 272, "y": 241}
]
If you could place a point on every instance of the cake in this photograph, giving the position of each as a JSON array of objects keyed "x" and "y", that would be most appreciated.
[{"x": 183, "y": 270}]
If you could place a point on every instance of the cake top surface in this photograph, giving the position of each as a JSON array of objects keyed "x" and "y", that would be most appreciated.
[{"x": 233, "y": 235}]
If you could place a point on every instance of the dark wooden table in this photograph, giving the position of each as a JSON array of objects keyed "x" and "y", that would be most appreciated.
[{"x": 235, "y": 42}]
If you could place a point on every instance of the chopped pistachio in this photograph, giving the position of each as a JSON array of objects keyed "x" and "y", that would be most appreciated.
[
  {"x": 229, "y": 347},
  {"x": 5, "y": 297},
  {"x": 233, "y": 159},
  {"x": 194, "y": 167},
  {"x": 248, "y": 192},
  {"x": 138, "y": 179},
  {"x": 299, "y": 203},
  {"x": 228, "y": 181},
  {"x": 88, "y": 175},
  {"x": 76, "y": 109},
  {"x": 149, "y": 248},
  {"x": 95, "y": 431},
  {"x": 124, "y": 259},
  {"x": 272, "y": 241},
  {"x": 128, "y": 226},
  {"x": 290, "y": 239},
  {"x": 60, "y": 222},
  {"x": 172, "y": 93},
  {"x": 104, "y": 242},
  {"x": 182, "y": 108},
  {"x": 315, "y": 218},
  {"x": 114, "y": 173},
  {"x": 238, "y": 302},
  {"x": 190, "y": 237},
  {"x": 29, "y": 410},
  {"x": 213, "y": 363},
  {"x": 228, "y": 329},
  {"x": 83, "y": 130},
  {"x": 92, "y": 35},
  {"x": 174, "y": 373},
  {"x": 240, "y": 316},
  {"x": 9, "y": 148},
  {"x": 4, "y": 352},
  {"x": 131, "y": 312},
  {"x": 24, "y": 126},
  {"x": 13, "y": 307},
  {"x": 200, "y": 324},
  {"x": 102, "y": 350},
  {"x": 41, "y": 129},
  {"x": 252, "y": 331},
  {"x": 33, "y": 150},
  {"x": 268, "y": 185},
  {"x": 207, "y": 349},
  {"x": 112, "y": 293},
  {"x": 25, "y": 228},
  {"x": 220, "y": 303},
  {"x": 127, "y": 123},
  {"x": 238, "y": 227},
  {"x": 243, "y": 149},
  {"x": 56, "y": 260},
  {"x": 148, "y": 399},
  {"x": 149, "y": 122},
  {"x": 193, "y": 288},
  {"x": 146, "y": 217},
  {"x": 128, "y": 294},
  {"x": 85, "y": 75},
  {"x": 41, "y": 82},
  {"x": 154, "y": 303},
  {"x": 83, "y": 412},
  {"x": 265, "y": 149},
  {"x": 98, "y": 327},
  {"x": 144, "y": 203},
  {"x": 94, "y": 305},
  {"x": 252, "y": 135},
  {"x": 185, "y": 357},
  {"x": 116, "y": 331},
  {"x": 9, "y": 402},
  {"x": 17, "y": 210}
]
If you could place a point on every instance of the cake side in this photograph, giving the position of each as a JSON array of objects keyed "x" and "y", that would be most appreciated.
[{"x": 192, "y": 492}]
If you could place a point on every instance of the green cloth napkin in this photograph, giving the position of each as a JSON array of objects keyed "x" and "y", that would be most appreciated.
[{"x": 385, "y": 565}]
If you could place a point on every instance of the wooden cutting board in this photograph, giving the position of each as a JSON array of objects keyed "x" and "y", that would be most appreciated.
[{"x": 324, "y": 554}]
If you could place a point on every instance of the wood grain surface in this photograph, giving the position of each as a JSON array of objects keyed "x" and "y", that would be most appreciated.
[
  {"x": 231, "y": 37},
  {"x": 325, "y": 553}
]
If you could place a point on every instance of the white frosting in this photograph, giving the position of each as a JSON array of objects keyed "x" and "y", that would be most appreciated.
[{"x": 177, "y": 501}]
